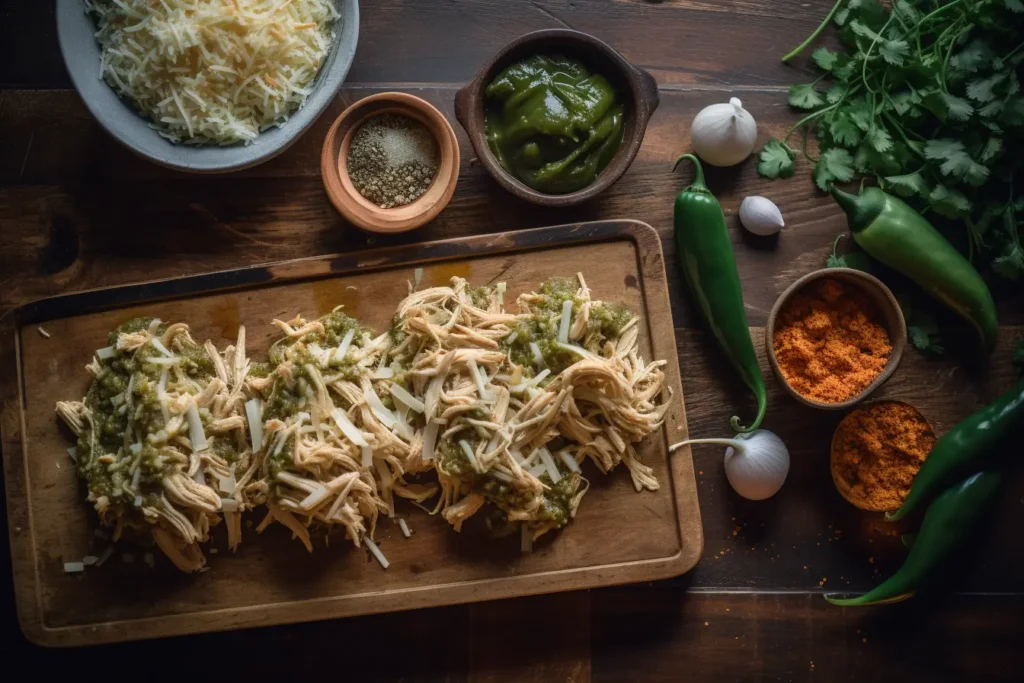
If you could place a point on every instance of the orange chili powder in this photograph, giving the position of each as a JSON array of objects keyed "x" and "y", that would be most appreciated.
[
  {"x": 829, "y": 342},
  {"x": 877, "y": 451}
]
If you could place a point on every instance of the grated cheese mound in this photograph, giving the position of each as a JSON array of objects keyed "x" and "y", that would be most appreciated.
[{"x": 213, "y": 71}]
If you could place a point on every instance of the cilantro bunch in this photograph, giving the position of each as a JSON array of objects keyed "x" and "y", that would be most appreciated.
[{"x": 926, "y": 100}]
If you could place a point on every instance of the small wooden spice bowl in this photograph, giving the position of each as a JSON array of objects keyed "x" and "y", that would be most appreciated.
[
  {"x": 636, "y": 87},
  {"x": 877, "y": 493},
  {"x": 888, "y": 308},
  {"x": 361, "y": 211}
]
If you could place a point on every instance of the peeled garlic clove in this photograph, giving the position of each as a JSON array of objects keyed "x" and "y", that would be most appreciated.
[
  {"x": 760, "y": 216},
  {"x": 724, "y": 134}
]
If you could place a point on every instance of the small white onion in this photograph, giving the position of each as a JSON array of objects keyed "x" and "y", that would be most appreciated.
[
  {"x": 724, "y": 134},
  {"x": 756, "y": 464},
  {"x": 760, "y": 216}
]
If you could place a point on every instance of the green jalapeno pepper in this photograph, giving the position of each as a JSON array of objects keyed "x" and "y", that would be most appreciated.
[
  {"x": 892, "y": 232},
  {"x": 705, "y": 253},
  {"x": 948, "y": 521},
  {"x": 963, "y": 446}
]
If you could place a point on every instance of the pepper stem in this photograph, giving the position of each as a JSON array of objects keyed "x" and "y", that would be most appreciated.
[{"x": 698, "y": 171}]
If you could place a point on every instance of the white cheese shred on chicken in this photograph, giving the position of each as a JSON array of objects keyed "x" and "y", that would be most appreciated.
[
  {"x": 375, "y": 551},
  {"x": 213, "y": 71}
]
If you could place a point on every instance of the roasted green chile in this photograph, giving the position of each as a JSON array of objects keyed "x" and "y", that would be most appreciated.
[
  {"x": 705, "y": 254},
  {"x": 946, "y": 524},
  {"x": 892, "y": 232},
  {"x": 553, "y": 124},
  {"x": 963, "y": 446}
]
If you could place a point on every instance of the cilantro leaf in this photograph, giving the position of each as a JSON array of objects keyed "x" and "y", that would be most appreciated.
[
  {"x": 1010, "y": 264},
  {"x": 835, "y": 92},
  {"x": 984, "y": 89},
  {"x": 957, "y": 108},
  {"x": 907, "y": 185},
  {"x": 825, "y": 58},
  {"x": 907, "y": 11},
  {"x": 1018, "y": 358},
  {"x": 894, "y": 51},
  {"x": 956, "y": 162},
  {"x": 879, "y": 139},
  {"x": 844, "y": 132},
  {"x": 949, "y": 203},
  {"x": 976, "y": 55},
  {"x": 861, "y": 113},
  {"x": 805, "y": 96},
  {"x": 1015, "y": 6},
  {"x": 834, "y": 164},
  {"x": 776, "y": 160},
  {"x": 922, "y": 327},
  {"x": 991, "y": 150},
  {"x": 863, "y": 30}
]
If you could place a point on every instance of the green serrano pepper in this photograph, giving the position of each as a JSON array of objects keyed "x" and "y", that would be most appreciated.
[
  {"x": 705, "y": 254},
  {"x": 948, "y": 521},
  {"x": 963, "y": 446},
  {"x": 892, "y": 232}
]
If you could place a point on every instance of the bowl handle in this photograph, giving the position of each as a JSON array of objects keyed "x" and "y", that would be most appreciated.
[
  {"x": 463, "y": 105},
  {"x": 649, "y": 96}
]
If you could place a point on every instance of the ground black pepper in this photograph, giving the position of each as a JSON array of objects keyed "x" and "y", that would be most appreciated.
[{"x": 392, "y": 160}]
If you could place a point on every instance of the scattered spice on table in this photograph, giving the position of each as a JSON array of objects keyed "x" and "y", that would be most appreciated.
[
  {"x": 877, "y": 451},
  {"x": 392, "y": 160},
  {"x": 829, "y": 341}
]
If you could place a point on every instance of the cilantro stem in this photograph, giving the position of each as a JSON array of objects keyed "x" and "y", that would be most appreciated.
[
  {"x": 817, "y": 32},
  {"x": 807, "y": 119},
  {"x": 913, "y": 147},
  {"x": 949, "y": 53},
  {"x": 867, "y": 55}
]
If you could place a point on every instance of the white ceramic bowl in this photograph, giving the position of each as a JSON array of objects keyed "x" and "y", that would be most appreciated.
[{"x": 76, "y": 29}]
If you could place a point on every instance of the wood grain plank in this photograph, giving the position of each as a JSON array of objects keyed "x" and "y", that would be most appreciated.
[
  {"x": 532, "y": 640},
  {"x": 661, "y": 634},
  {"x": 410, "y": 41}
]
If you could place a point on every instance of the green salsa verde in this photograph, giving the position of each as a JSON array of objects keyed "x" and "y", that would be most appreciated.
[
  {"x": 605, "y": 321},
  {"x": 551, "y": 123}
]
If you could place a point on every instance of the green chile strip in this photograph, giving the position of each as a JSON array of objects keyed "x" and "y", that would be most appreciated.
[
  {"x": 946, "y": 524},
  {"x": 552, "y": 124},
  {"x": 892, "y": 232},
  {"x": 962, "y": 447},
  {"x": 705, "y": 254}
]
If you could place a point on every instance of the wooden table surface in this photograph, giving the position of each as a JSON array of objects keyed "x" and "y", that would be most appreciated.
[{"x": 77, "y": 212}]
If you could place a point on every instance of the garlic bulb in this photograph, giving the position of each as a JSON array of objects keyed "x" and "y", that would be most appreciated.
[
  {"x": 724, "y": 134},
  {"x": 756, "y": 464},
  {"x": 760, "y": 216}
]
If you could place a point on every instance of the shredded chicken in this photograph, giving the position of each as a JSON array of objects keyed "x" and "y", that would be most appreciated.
[
  {"x": 323, "y": 424},
  {"x": 135, "y": 438},
  {"x": 461, "y": 407},
  {"x": 505, "y": 425}
]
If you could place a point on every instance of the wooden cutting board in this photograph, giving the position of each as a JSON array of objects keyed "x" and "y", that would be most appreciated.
[{"x": 619, "y": 535}]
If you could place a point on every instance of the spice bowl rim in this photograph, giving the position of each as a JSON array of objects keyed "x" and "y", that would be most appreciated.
[
  {"x": 832, "y": 446},
  {"x": 892, "y": 319},
  {"x": 359, "y": 210},
  {"x": 643, "y": 100}
]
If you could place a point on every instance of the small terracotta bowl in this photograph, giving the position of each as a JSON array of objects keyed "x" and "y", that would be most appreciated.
[
  {"x": 361, "y": 211},
  {"x": 636, "y": 88},
  {"x": 885, "y": 303}
]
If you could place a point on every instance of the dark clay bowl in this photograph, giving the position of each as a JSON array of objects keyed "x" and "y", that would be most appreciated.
[{"x": 637, "y": 88}]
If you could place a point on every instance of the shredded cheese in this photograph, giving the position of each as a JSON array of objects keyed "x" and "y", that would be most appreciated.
[
  {"x": 376, "y": 552},
  {"x": 405, "y": 397},
  {"x": 253, "y": 414},
  {"x": 213, "y": 71}
]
